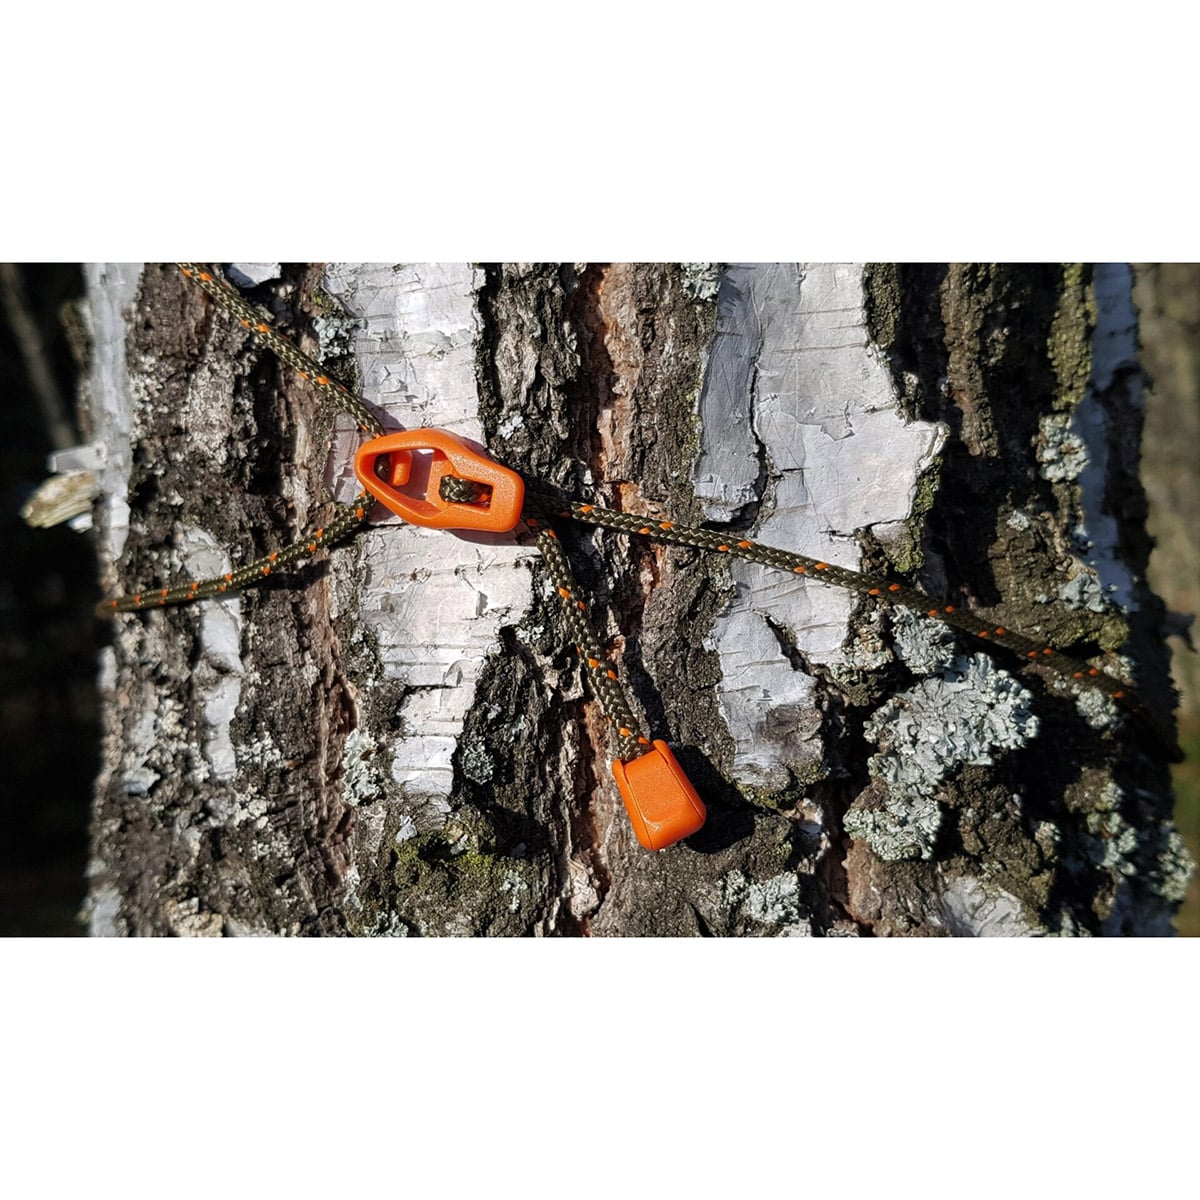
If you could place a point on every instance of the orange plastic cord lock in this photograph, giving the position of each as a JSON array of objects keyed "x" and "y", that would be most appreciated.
[
  {"x": 405, "y": 471},
  {"x": 663, "y": 806}
]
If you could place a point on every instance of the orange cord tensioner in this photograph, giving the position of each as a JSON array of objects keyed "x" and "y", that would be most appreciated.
[
  {"x": 405, "y": 472},
  {"x": 663, "y": 806}
]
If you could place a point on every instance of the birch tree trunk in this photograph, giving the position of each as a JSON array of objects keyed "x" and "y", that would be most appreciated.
[{"x": 398, "y": 740}]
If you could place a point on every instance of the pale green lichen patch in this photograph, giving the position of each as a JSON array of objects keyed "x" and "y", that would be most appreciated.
[
  {"x": 773, "y": 902},
  {"x": 337, "y": 333},
  {"x": 1107, "y": 839},
  {"x": 1061, "y": 452},
  {"x": 1173, "y": 865},
  {"x": 963, "y": 717},
  {"x": 1085, "y": 590},
  {"x": 866, "y": 653},
  {"x": 1097, "y": 709},
  {"x": 905, "y": 826},
  {"x": 701, "y": 281},
  {"x": 1110, "y": 842},
  {"x": 365, "y": 777},
  {"x": 475, "y": 758},
  {"x": 924, "y": 646}
]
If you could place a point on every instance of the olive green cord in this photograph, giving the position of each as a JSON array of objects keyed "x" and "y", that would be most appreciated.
[{"x": 258, "y": 323}]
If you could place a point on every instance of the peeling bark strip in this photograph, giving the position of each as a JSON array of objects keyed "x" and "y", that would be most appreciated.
[
  {"x": 831, "y": 455},
  {"x": 398, "y": 741}
]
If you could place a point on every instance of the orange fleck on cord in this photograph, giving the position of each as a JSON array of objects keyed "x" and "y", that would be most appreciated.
[
  {"x": 272, "y": 556},
  {"x": 1093, "y": 672},
  {"x": 593, "y": 663},
  {"x": 303, "y": 374},
  {"x": 262, "y": 327},
  {"x": 206, "y": 276},
  {"x": 245, "y": 323},
  {"x": 1031, "y": 654},
  {"x": 1077, "y": 675},
  {"x": 115, "y": 602},
  {"x": 1118, "y": 695},
  {"x": 800, "y": 570},
  {"x": 983, "y": 633},
  {"x": 893, "y": 587},
  {"x": 722, "y": 546},
  {"x": 322, "y": 380},
  {"x": 222, "y": 587},
  {"x": 195, "y": 584},
  {"x": 666, "y": 524},
  {"x": 949, "y": 608},
  {"x": 586, "y": 508},
  {"x": 821, "y": 567},
  {"x": 320, "y": 533},
  {"x": 744, "y": 544},
  {"x": 644, "y": 529},
  {"x": 164, "y": 591},
  {"x": 312, "y": 547},
  {"x": 137, "y": 599},
  {"x": 624, "y": 732},
  {"x": 873, "y": 592},
  {"x": 932, "y": 612},
  {"x": 643, "y": 741},
  {"x": 1000, "y": 631},
  {"x": 562, "y": 591},
  {"x": 581, "y": 604},
  {"x": 612, "y": 674},
  {"x": 358, "y": 512},
  {"x": 551, "y": 534},
  {"x": 266, "y": 570},
  {"x": 186, "y": 272},
  {"x": 1047, "y": 650}
]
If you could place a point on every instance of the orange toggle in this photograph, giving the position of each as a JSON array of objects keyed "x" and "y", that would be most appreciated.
[
  {"x": 663, "y": 806},
  {"x": 387, "y": 464}
]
